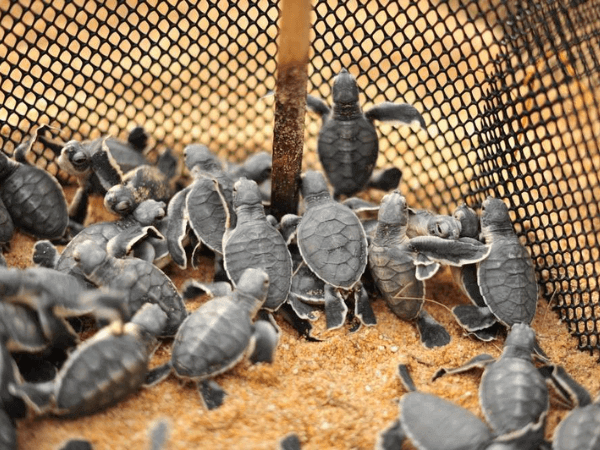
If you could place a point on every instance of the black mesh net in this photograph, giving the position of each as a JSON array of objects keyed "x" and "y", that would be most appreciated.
[{"x": 508, "y": 92}]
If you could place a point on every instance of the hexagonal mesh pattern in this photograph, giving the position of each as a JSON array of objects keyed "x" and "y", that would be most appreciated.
[{"x": 509, "y": 94}]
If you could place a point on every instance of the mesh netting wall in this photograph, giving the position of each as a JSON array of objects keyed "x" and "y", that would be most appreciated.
[{"x": 509, "y": 94}]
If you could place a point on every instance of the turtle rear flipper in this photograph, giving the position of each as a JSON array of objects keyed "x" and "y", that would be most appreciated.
[
  {"x": 385, "y": 179},
  {"x": 335, "y": 308},
  {"x": 432, "y": 333},
  {"x": 363, "y": 309},
  {"x": 304, "y": 311},
  {"x": 395, "y": 112},
  {"x": 486, "y": 334},
  {"x": 45, "y": 254},
  {"x": 159, "y": 434},
  {"x": 266, "y": 340},
  {"x": 474, "y": 318},
  {"x": 317, "y": 105},
  {"x": 37, "y": 395},
  {"x": 290, "y": 442},
  {"x": 158, "y": 374},
  {"x": 211, "y": 393}
]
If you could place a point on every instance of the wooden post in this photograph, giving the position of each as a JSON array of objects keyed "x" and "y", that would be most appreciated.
[{"x": 290, "y": 105}]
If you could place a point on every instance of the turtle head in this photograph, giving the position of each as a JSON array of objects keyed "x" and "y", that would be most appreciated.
[
  {"x": 345, "y": 89},
  {"x": 74, "y": 158},
  {"x": 393, "y": 210},
  {"x": 253, "y": 285},
  {"x": 149, "y": 212},
  {"x": 246, "y": 193},
  {"x": 89, "y": 256},
  {"x": 258, "y": 166},
  {"x": 494, "y": 216},
  {"x": 469, "y": 222},
  {"x": 520, "y": 341},
  {"x": 138, "y": 138},
  {"x": 120, "y": 200},
  {"x": 198, "y": 155},
  {"x": 314, "y": 186},
  {"x": 151, "y": 318},
  {"x": 444, "y": 226}
]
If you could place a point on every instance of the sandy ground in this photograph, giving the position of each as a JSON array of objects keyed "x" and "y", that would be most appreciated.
[{"x": 338, "y": 393}]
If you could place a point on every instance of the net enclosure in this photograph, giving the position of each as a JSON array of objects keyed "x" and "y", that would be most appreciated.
[{"x": 509, "y": 91}]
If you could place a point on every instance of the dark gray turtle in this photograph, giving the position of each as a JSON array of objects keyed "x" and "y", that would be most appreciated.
[
  {"x": 203, "y": 205},
  {"x": 33, "y": 198},
  {"x": 513, "y": 393},
  {"x": 333, "y": 244},
  {"x": 102, "y": 371},
  {"x": 255, "y": 243},
  {"x": 506, "y": 278},
  {"x": 216, "y": 336},
  {"x": 348, "y": 145},
  {"x": 130, "y": 233},
  {"x": 393, "y": 265},
  {"x": 433, "y": 423},
  {"x": 141, "y": 281}
]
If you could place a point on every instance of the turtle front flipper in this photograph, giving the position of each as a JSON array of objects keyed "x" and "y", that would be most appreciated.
[
  {"x": 318, "y": 106},
  {"x": 385, "y": 179},
  {"x": 158, "y": 374},
  {"x": 335, "y": 308},
  {"x": 266, "y": 339},
  {"x": 38, "y": 396},
  {"x": 391, "y": 438},
  {"x": 45, "y": 254},
  {"x": 211, "y": 393},
  {"x": 432, "y": 333},
  {"x": 122, "y": 244},
  {"x": 178, "y": 220},
  {"x": 105, "y": 167},
  {"x": 479, "y": 362},
  {"x": 396, "y": 112},
  {"x": 57, "y": 330},
  {"x": 569, "y": 389},
  {"x": 452, "y": 252},
  {"x": 194, "y": 288},
  {"x": 474, "y": 318}
]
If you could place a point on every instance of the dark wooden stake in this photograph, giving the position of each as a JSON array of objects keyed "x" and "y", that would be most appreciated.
[{"x": 290, "y": 105}]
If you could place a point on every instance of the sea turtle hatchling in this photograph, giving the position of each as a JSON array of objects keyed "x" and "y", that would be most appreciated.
[
  {"x": 217, "y": 335},
  {"x": 254, "y": 242},
  {"x": 513, "y": 393},
  {"x": 333, "y": 244},
  {"x": 506, "y": 278},
  {"x": 32, "y": 197},
  {"x": 140, "y": 281},
  {"x": 101, "y": 371},
  {"x": 204, "y": 205},
  {"x": 393, "y": 265},
  {"x": 348, "y": 145}
]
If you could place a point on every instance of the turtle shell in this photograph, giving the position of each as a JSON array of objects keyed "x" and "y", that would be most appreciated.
[
  {"x": 100, "y": 373},
  {"x": 513, "y": 394},
  {"x": 580, "y": 430},
  {"x": 36, "y": 202},
  {"x": 333, "y": 243},
  {"x": 6, "y": 224},
  {"x": 348, "y": 151},
  {"x": 507, "y": 282},
  {"x": 212, "y": 339},
  {"x": 257, "y": 244}
]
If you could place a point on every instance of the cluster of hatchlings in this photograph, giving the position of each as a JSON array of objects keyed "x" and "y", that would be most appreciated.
[{"x": 316, "y": 261}]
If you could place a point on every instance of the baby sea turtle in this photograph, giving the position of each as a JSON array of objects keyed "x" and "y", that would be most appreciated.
[
  {"x": 333, "y": 244},
  {"x": 506, "y": 278},
  {"x": 393, "y": 265},
  {"x": 32, "y": 197},
  {"x": 348, "y": 145},
  {"x": 255, "y": 243},
  {"x": 100, "y": 372},
  {"x": 433, "y": 423},
  {"x": 217, "y": 335},
  {"x": 128, "y": 233},
  {"x": 204, "y": 204},
  {"x": 140, "y": 281},
  {"x": 513, "y": 393}
]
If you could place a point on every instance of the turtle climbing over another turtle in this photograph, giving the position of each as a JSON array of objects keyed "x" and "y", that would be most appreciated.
[
  {"x": 255, "y": 243},
  {"x": 393, "y": 265},
  {"x": 333, "y": 244},
  {"x": 100, "y": 372},
  {"x": 140, "y": 281},
  {"x": 348, "y": 144},
  {"x": 506, "y": 278},
  {"x": 33, "y": 198},
  {"x": 217, "y": 336},
  {"x": 204, "y": 205}
]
